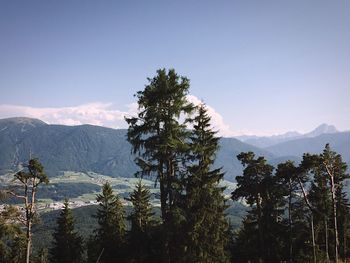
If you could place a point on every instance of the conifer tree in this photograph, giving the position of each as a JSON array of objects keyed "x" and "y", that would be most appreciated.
[
  {"x": 264, "y": 194},
  {"x": 298, "y": 239},
  {"x": 334, "y": 169},
  {"x": 142, "y": 209},
  {"x": 108, "y": 243},
  {"x": 158, "y": 136},
  {"x": 206, "y": 227},
  {"x": 320, "y": 199},
  {"x": 29, "y": 179},
  {"x": 329, "y": 173},
  {"x": 343, "y": 218},
  {"x": 67, "y": 244},
  {"x": 43, "y": 256},
  {"x": 141, "y": 223},
  {"x": 287, "y": 174},
  {"x": 12, "y": 238}
]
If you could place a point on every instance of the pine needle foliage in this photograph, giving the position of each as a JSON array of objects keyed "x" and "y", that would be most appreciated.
[
  {"x": 67, "y": 244},
  {"x": 141, "y": 225},
  {"x": 158, "y": 135},
  {"x": 142, "y": 209},
  {"x": 108, "y": 243},
  {"x": 204, "y": 203}
]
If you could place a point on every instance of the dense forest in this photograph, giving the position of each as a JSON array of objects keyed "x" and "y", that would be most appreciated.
[{"x": 297, "y": 212}]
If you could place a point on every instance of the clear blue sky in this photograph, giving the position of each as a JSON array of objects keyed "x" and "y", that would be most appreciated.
[{"x": 265, "y": 66}]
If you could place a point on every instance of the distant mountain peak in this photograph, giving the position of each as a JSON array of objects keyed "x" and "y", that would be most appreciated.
[
  {"x": 23, "y": 120},
  {"x": 25, "y": 123},
  {"x": 266, "y": 141},
  {"x": 322, "y": 129}
]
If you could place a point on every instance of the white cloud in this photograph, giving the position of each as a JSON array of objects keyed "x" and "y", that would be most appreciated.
[
  {"x": 98, "y": 113},
  {"x": 102, "y": 114},
  {"x": 217, "y": 120}
]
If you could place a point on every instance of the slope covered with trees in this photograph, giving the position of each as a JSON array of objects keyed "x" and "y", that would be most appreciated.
[{"x": 88, "y": 148}]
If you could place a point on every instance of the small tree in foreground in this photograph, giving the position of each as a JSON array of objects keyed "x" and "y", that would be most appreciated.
[
  {"x": 67, "y": 244},
  {"x": 141, "y": 222},
  {"x": 12, "y": 238},
  {"x": 108, "y": 242},
  {"x": 27, "y": 185}
]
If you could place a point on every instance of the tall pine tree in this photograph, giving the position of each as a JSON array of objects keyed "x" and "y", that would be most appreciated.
[
  {"x": 141, "y": 223},
  {"x": 29, "y": 179},
  {"x": 206, "y": 227},
  {"x": 67, "y": 244},
  {"x": 108, "y": 243},
  {"x": 334, "y": 169},
  {"x": 12, "y": 238},
  {"x": 158, "y": 135},
  {"x": 265, "y": 195}
]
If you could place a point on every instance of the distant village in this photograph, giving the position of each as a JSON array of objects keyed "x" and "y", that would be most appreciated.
[{"x": 53, "y": 206}]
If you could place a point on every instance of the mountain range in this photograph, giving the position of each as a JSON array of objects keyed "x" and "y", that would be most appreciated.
[
  {"x": 106, "y": 151},
  {"x": 266, "y": 141}
]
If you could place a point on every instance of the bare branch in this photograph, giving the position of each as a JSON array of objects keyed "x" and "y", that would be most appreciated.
[{"x": 16, "y": 195}]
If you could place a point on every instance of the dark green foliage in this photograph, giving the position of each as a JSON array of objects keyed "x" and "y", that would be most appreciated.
[
  {"x": 85, "y": 223},
  {"x": 157, "y": 134},
  {"x": 265, "y": 195},
  {"x": 29, "y": 179},
  {"x": 328, "y": 199},
  {"x": 206, "y": 227},
  {"x": 67, "y": 245},
  {"x": 159, "y": 138},
  {"x": 12, "y": 238},
  {"x": 42, "y": 256},
  {"x": 343, "y": 217},
  {"x": 43, "y": 232},
  {"x": 140, "y": 242},
  {"x": 109, "y": 240},
  {"x": 286, "y": 174},
  {"x": 288, "y": 207},
  {"x": 142, "y": 209}
]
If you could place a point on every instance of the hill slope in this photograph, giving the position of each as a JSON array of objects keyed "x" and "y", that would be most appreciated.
[{"x": 89, "y": 148}]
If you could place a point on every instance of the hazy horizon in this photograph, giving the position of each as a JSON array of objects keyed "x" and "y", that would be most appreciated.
[{"x": 228, "y": 136}]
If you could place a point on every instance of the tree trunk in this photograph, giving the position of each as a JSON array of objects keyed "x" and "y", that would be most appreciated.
[
  {"x": 334, "y": 206},
  {"x": 29, "y": 240},
  {"x": 312, "y": 219},
  {"x": 162, "y": 199},
  {"x": 163, "y": 206},
  {"x": 326, "y": 237},
  {"x": 344, "y": 242},
  {"x": 261, "y": 241},
  {"x": 336, "y": 238},
  {"x": 313, "y": 239},
  {"x": 290, "y": 222}
]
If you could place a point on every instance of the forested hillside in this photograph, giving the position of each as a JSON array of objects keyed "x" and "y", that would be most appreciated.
[{"x": 89, "y": 148}]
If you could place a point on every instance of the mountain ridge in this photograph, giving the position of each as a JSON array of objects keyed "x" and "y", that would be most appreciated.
[
  {"x": 85, "y": 148},
  {"x": 267, "y": 141},
  {"x": 91, "y": 148}
]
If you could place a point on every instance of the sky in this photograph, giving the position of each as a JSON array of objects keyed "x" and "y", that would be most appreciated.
[{"x": 262, "y": 67}]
